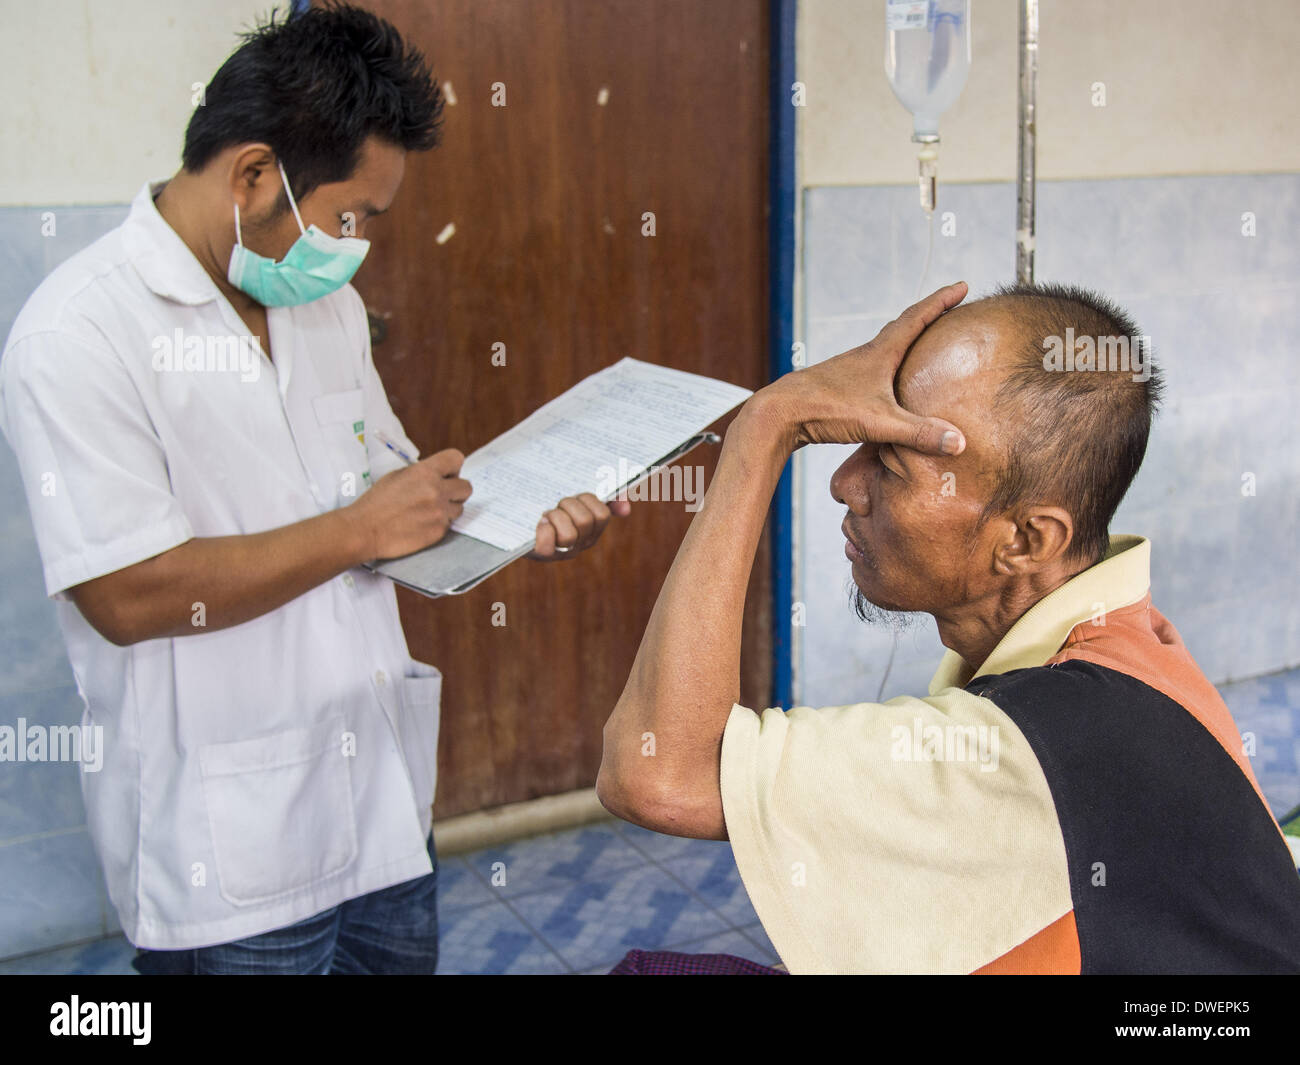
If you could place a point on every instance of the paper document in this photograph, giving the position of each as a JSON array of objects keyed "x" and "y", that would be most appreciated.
[
  {"x": 593, "y": 438},
  {"x": 457, "y": 563}
]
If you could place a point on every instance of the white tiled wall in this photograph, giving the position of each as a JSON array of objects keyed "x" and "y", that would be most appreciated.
[{"x": 53, "y": 888}]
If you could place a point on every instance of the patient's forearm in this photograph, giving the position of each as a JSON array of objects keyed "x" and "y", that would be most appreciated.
[{"x": 686, "y": 676}]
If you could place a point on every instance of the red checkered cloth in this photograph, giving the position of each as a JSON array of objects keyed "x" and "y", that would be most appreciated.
[{"x": 670, "y": 963}]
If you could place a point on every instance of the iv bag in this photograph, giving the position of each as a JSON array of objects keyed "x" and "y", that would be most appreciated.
[{"x": 927, "y": 58}]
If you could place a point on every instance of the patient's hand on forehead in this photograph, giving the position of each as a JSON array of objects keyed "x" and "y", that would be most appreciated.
[{"x": 850, "y": 398}]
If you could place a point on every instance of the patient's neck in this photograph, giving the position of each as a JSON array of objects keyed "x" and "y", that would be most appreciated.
[{"x": 974, "y": 629}]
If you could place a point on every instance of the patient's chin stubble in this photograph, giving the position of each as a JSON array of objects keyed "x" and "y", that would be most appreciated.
[{"x": 869, "y": 612}]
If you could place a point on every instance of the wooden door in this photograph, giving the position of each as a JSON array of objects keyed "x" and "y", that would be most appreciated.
[{"x": 612, "y": 109}]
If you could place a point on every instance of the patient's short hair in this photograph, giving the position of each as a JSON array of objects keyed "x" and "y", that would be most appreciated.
[{"x": 1078, "y": 434}]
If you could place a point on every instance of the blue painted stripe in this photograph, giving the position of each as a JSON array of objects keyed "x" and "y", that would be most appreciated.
[{"x": 781, "y": 323}]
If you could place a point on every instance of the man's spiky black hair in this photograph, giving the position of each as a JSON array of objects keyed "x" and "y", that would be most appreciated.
[{"x": 314, "y": 86}]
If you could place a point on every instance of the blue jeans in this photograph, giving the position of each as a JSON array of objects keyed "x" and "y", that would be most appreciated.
[{"x": 392, "y": 931}]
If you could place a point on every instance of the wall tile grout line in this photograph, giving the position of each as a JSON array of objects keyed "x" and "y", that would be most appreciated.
[{"x": 53, "y": 833}]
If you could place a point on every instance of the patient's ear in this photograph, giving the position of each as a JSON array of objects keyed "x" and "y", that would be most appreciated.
[{"x": 1039, "y": 536}]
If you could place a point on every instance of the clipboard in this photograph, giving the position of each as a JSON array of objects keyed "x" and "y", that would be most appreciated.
[{"x": 457, "y": 562}]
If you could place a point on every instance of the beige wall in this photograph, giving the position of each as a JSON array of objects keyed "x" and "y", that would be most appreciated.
[
  {"x": 95, "y": 94},
  {"x": 1192, "y": 87}
]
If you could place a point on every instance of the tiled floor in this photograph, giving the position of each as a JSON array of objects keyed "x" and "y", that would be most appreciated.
[
  {"x": 577, "y": 901},
  {"x": 567, "y": 902}
]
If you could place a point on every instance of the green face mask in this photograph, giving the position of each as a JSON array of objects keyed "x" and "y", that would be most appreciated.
[{"x": 316, "y": 265}]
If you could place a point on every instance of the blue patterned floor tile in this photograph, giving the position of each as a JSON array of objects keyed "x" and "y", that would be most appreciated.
[
  {"x": 660, "y": 847},
  {"x": 490, "y": 940},
  {"x": 1267, "y": 712},
  {"x": 554, "y": 861},
  {"x": 1244, "y": 696},
  {"x": 596, "y": 922},
  {"x": 1282, "y": 790},
  {"x": 717, "y": 880},
  {"x": 458, "y": 886},
  {"x": 759, "y": 936},
  {"x": 1266, "y": 720}
]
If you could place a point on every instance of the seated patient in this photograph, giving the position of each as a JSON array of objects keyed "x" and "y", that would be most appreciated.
[{"x": 1071, "y": 794}]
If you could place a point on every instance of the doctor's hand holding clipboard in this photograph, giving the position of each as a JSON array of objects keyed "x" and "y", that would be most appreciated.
[{"x": 413, "y": 508}]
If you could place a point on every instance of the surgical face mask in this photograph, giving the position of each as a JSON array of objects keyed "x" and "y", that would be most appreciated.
[{"x": 316, "y": 265}]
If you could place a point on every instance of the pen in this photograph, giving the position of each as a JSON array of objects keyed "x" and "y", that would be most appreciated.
[{"x": 392, "y": 447}]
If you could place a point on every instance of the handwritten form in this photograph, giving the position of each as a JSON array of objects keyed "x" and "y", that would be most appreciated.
[{"x": 617, "y": 421}]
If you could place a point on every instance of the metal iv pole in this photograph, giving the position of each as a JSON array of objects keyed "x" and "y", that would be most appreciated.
[{"x": 1028, "y": 135}]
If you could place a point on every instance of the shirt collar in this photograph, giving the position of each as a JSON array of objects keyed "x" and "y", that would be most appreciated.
[
  {"x": 1120, "y": 579},
  {"x": 159, "y": 255}
]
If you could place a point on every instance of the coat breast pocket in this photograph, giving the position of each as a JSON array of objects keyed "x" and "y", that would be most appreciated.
[
  {"x": 280, "y": 811},
  {"x": 342, "y": 421}
]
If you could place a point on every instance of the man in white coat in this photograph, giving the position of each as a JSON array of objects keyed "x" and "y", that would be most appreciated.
[{"x": 201, "y": 433}]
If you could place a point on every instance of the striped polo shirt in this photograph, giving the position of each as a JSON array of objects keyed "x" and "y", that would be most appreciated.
[{"x": 1080, "y": 803}]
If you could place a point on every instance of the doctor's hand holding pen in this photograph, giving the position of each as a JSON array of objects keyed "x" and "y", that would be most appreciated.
[{"x": 413, "y": 508}]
